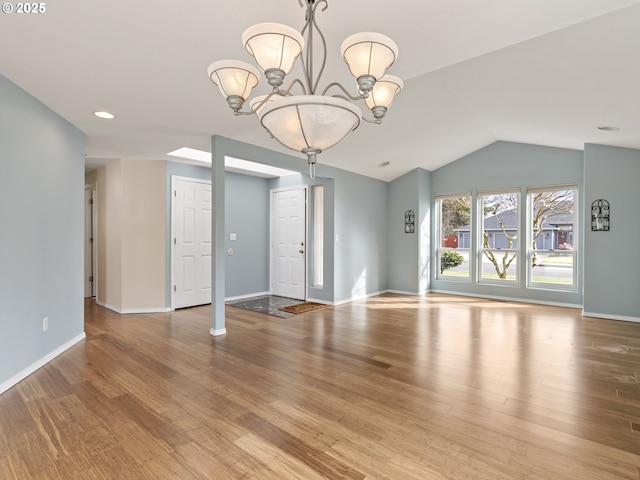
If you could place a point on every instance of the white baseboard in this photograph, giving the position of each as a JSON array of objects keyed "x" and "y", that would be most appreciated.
[
  {"x": 146, "y": 310},
  {"x": 40, "y": 363},
  {"x": 610, "y": 317},
  {"x": 508, "y": 299},
  {"x": 402, "y": 292},
  {"x": 106, "y": 305},
  {"x": 217, "y": 333},
  {"x": 360, "y": 297},
  {"x": 126, "y": 311},
  {"x": 249, "y": 295}
]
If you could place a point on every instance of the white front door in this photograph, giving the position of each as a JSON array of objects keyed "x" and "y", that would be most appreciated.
[
  {"x": 191, "y": 241},
  {"x": 288, "y": 242}
]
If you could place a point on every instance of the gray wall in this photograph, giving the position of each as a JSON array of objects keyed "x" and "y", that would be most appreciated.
[
  {"x": 505, "y": 165},
  {"x": 612, "y": 259},
  {"x": 246, "y": 215},
  {"x": 41, "y": 241},
  {"x": 408, "y": 264},
  {"x": 360, "y": 262}
]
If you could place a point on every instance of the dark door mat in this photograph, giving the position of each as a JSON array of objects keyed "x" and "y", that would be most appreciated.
[{"x": 269, "y": 304}]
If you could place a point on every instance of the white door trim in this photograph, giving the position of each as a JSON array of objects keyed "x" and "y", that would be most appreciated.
[
  {"x": 174, "y": 179},
  {"x": 272, "y": 193},
  {"x": 92, "y": 189}
]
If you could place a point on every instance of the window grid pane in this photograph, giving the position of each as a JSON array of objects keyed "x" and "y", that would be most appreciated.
[
  {"x": 499, "y": 265},
  {"x": 454, "y": 230},
  {"x": 553, "y": 268},
  {"x": 454, "y": 263},
  {"x": 318, "y": 236},
  {"x": 498, "y": 258},
  {"x": 551, "y": 246}
]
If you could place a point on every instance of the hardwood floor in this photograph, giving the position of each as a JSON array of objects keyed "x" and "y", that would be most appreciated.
[{"x": 431, "y": 387}]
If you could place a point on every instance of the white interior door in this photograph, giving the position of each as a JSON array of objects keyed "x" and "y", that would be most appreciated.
[
  {"x": 191, "y": 246},
  {"x": 288, "y": 242}
]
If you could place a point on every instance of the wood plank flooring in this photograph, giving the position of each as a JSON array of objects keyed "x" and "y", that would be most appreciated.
[{"x": 394, "y": 387}]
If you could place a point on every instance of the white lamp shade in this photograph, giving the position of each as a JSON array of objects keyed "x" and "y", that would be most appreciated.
[
  {"x": 310, "y": 121},
  {"x": 273, "y": 45},
  {"x": 255, "y": 103},
  {"x": 234, "y": 78},
  {"x": 369, "y": 53},
  {"x": 384, "y": 92}
]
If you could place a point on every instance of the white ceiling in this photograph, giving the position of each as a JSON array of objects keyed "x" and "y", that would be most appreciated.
[{"x": 536, "y": 71}]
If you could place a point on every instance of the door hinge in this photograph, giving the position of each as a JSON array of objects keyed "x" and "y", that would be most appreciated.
[
  {"x": 91, "y": 240},
  {"x": 175, "y": 289},
  {"x": 91, "y": 278},
  {"x": 175, "y": 193},
  {"x": 174, "y": 241},
  {"x": 91, "y": 201}
]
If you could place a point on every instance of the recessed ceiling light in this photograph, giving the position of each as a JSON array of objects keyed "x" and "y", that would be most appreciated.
[
  {"x": 106, "y": 115},
  {"x": 608, "y": 128}
]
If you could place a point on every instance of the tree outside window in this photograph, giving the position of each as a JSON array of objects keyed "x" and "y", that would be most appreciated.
[
  {"x": 552, "y": 251},
  {"x": 499, "y": 236}
]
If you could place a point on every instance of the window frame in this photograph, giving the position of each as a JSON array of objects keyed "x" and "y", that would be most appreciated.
[
  {"x": 480, "y": 251},
  {"x": 317, "y": 228},
  {"x": 541, "y": 285},
  {"x": 440, "y": 235}
]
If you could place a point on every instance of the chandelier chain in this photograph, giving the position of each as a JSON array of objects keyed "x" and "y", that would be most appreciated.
[{"x": 307, "y": 57}]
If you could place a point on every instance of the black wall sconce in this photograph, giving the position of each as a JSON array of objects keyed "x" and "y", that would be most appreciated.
[
  {"x": 600, "y": 215},
  {"x": 409, "y": 221}
]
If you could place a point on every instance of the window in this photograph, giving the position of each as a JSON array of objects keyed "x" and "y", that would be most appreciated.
[
  {"x": 317, "y": 192},
  {"x": 551, "y": 238},
  {"x": 498, "y": 259},
  {"x": 517, "y": 237},
  {"x": 454, "y": 230}
]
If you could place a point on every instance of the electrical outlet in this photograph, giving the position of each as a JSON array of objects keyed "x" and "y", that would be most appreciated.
[{"x": 45, "y": 324}]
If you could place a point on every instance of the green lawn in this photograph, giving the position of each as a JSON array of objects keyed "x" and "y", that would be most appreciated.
[{"x": 455, "y": 273}]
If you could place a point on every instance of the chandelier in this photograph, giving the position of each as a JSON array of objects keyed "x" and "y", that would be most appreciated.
[{"x": 308, "y": 122}]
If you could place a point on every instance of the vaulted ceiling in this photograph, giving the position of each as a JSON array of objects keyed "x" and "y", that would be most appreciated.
[{"x": 536, "y": 71}]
